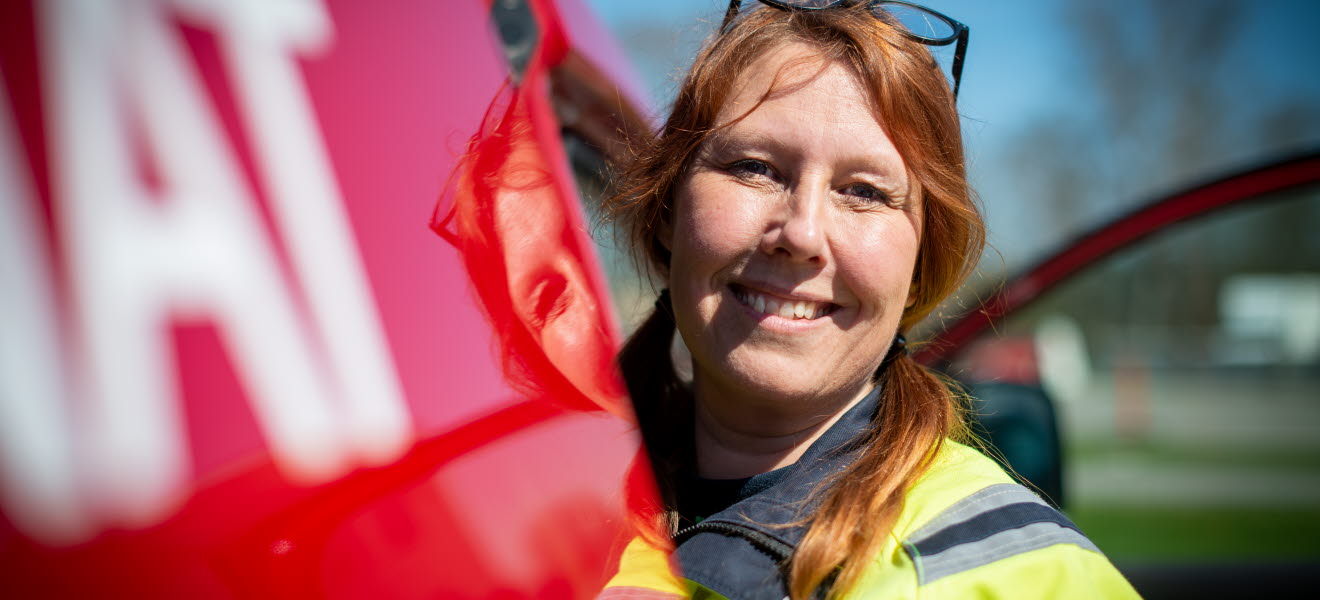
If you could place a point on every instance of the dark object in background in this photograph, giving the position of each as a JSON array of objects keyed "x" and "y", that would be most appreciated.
[{"x": 1018, "y": 420}]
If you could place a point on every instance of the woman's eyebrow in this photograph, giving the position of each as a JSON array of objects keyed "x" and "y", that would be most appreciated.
[
  {"x": 871, "y": 164},
  {"x": 729, "y": 138}
]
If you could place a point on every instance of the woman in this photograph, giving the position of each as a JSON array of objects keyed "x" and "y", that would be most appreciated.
[{"x": 805, "y": 204}]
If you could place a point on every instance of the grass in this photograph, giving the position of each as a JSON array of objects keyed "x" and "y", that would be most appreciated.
[
  {"x": 1214, "y": 455},
  {"x": 1191, "y": 534}
]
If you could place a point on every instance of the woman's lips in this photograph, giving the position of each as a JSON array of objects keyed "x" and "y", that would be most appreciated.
[{"x": 787, "y": 308}]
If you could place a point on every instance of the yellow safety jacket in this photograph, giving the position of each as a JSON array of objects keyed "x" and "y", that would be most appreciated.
[{"x": 966, "y": 531}]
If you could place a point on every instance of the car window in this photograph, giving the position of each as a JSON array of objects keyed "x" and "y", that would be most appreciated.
[{"x": 1185, "y": 373}]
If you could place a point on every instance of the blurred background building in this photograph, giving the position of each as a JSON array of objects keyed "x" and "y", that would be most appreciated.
[{"x": 1186, "y": 369}]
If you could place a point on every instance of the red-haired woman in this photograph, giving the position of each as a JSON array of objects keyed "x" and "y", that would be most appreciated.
[{"x": 805, "y": 204}]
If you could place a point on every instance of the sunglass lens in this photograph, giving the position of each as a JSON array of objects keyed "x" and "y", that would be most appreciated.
[{"x": 919, "y": 22}]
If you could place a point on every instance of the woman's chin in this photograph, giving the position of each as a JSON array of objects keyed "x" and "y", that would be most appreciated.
[{"x": 771, "y": 379}]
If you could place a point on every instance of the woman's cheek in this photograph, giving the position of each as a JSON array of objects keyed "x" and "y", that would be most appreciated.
[
  {"x": 723, "y": 224},
  {"x": 879, "y": 263}
]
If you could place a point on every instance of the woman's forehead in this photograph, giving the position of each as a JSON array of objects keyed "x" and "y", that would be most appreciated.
[
  {"x": 801, "y": 101},
  {"x": 787, "y": 69}
]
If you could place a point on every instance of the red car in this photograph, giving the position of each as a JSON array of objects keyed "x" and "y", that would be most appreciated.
[{"x": 249, "y": 348}]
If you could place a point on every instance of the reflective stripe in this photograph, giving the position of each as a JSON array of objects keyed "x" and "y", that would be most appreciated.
[
  {"x": 997, "y": 522},
  {"x": 987, "y": 498},
  {"x": 990, "y": 523}
]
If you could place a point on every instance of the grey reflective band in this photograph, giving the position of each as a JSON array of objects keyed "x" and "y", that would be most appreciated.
[{"x": 994, "y": 523}]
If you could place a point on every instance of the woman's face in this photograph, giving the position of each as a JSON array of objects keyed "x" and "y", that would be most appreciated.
[{"x": 794, "y": 239}]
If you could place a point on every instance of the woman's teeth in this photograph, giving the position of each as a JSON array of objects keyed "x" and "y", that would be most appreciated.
[{"x": 787, "y": 309}]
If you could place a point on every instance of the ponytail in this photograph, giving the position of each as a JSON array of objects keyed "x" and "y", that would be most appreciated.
[{"x": 918, "y": 411}]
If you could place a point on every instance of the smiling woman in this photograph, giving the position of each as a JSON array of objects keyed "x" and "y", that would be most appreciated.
[
  {"x": 805, "y": 204},
  {"x": 792, "y": 248}
]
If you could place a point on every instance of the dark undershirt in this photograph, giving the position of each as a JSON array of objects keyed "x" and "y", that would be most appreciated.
[{"x": 699, "y": 497}]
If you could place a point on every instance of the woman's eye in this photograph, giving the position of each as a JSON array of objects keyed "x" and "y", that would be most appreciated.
[
  {"x": 751, "y": 167},
  {"x": 865, "y": 192}
]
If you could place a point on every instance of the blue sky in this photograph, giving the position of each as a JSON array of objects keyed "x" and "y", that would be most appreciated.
[
  {"x": 1023, "y": 72},
  {"x": 1018, "y": 61}
]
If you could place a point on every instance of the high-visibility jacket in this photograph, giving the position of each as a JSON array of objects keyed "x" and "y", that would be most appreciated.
[{"x": 967, "y": 530}]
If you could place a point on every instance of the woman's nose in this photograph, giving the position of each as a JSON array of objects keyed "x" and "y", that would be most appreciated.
[{"x": 796, "y": 228}]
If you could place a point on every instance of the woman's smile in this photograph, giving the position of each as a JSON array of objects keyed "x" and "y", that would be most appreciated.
[{"x": 792, "y": 308}]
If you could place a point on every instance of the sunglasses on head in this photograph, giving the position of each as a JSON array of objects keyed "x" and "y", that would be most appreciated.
[{"x": 918, "y": 22}]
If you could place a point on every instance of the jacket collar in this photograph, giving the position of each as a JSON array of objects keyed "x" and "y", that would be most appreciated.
[{"x": 778, "y": 511}]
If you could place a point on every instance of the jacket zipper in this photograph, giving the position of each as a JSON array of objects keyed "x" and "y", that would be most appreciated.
[{"x": 771, "y": 546}]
